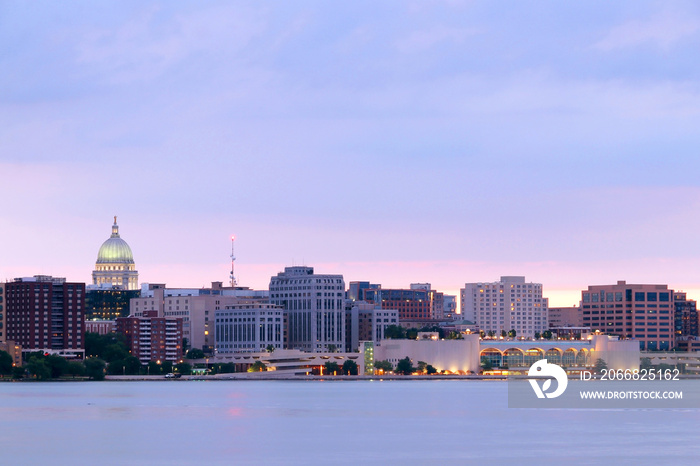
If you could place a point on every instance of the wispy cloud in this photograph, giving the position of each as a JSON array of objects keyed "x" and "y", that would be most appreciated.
[
  {"x": 425, "y": 39},
  {"x": 663, "y": 30}
]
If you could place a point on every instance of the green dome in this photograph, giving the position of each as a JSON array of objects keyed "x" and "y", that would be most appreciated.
[{"x": 115, "y": 249}]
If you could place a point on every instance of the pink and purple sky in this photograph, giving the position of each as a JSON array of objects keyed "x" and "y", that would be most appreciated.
[{"x": 393, "y": 142}]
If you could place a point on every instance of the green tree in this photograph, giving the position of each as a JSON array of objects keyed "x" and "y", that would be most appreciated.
[
  {"x": 547, "y": 334},
  {"x": 332, "y": 348},
  {"x": 166, "y": 367},
  {"x": 537, "y": 335},
  {"x": 421, "y": 366},
  {"x": 38, "y": 368},
  {"x": 257, "y": 366},
  {"x": 96, "y": 345},
  {"x": 512, "y": 333},
  {"x": 350, "y": 367},
  {"x": 600, "y": 364},
  {"x": 482, "y": 334},
  {"x": 5, "y": 363},
  {"x": 430, "y": 370},
  {"x": 18, "y": 372},
  {"x": 412, "y": 333},
  {"x": 331, "y": 368},
  {"x": 491, "y": 334},
  {"x": 504, "y": 333},
  {"x": 114, "y": 352},
  {"x": 385, "y": 366},
  {"x": 132, "y": 365},
  {"x": 95, "y": 368},
  {"x": 394, "y": 332},
  {"x": 183, "y": 368},
  {"x": 405, "y": 366},
  {"x": 645, "y": 363},
  {"x": 57, "y": 365},
  {"x": 75, "y": 368},
  {"x": 486, "y": 364},
  {"x": 185, "y": 344},
  {"x": 154, "y": 368},
  {"x": 435, "y": 329},
  {"x": 195, "y": 353},
  {"x": 270, "y": 348}
]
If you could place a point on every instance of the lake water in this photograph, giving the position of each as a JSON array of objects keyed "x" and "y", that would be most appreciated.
[{"x": 322, "y": 422}]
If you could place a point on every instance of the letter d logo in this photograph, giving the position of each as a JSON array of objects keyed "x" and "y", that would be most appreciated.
[{"x": 543, "y": 370}]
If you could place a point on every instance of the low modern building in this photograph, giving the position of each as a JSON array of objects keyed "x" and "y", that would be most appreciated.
[
  {"x": 249, "y": 328},
  {"x": 152, "y": 338},
  {"x": 456, "y": 356},
  {"x": 508, "y": 356}
]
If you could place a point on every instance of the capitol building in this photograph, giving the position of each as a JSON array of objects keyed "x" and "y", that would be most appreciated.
[{"x": 115, "y": 264}]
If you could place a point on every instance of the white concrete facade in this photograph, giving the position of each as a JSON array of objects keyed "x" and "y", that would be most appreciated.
[
  {"x": 314, "y": 307},
  {"x": 249, "y": 328},
  {"x": 509, "y": 304},
  {"x": 451, "y": 355}
]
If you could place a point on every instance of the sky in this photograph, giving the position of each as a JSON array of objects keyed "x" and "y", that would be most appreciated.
[{"x": 394, "y": 142}]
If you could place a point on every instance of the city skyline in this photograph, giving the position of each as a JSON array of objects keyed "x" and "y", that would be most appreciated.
[{"x": 446, "y": 143}]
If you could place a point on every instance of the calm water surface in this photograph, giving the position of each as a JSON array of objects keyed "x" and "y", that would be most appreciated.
[{"x": 315, "y": 422}]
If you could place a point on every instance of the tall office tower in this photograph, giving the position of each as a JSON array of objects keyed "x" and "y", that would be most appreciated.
[
  {"x": 46, "y": 313},
  {"x": 115, "y": 266},
  {"x": 313, "y": 304},
  {"x": 642, "y": 312},
  {"x": 152, "y": 338},
  {"x": 508, "y": 304}
]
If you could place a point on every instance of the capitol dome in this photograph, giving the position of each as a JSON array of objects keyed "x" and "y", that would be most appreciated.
[
  {"x": 115, "y": 263},
  {"x": 115, "y": 249}
]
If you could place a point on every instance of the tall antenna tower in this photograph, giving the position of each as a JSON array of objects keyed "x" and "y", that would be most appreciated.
[{"x": 233, "y": 260}]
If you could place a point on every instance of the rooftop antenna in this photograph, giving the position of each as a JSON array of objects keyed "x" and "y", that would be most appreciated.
[{"x": 233, "y": 260}]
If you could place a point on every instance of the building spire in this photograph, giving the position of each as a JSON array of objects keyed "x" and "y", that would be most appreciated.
[{"x": 115, "y": 228}]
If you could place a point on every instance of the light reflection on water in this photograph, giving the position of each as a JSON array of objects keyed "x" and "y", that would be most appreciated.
[{"x": 302, "y": 422}]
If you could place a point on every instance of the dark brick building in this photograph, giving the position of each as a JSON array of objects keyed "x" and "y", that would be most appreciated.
[{"x": 46, "y": 313}]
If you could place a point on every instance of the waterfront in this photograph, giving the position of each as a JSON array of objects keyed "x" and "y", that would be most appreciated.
[{"x": 316, "y": 422}]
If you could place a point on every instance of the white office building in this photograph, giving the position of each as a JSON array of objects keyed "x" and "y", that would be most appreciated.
[
  {"x": 509, "y": 304},
  {"x": 249, "y": 328},
  {"x": 314, "y": 307}
]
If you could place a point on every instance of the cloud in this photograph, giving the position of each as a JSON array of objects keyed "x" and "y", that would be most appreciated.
[
  {"x": 152, "y": 41},
  {"x": 662, "y": 31},
  {"x": 419, "y": 41}
]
